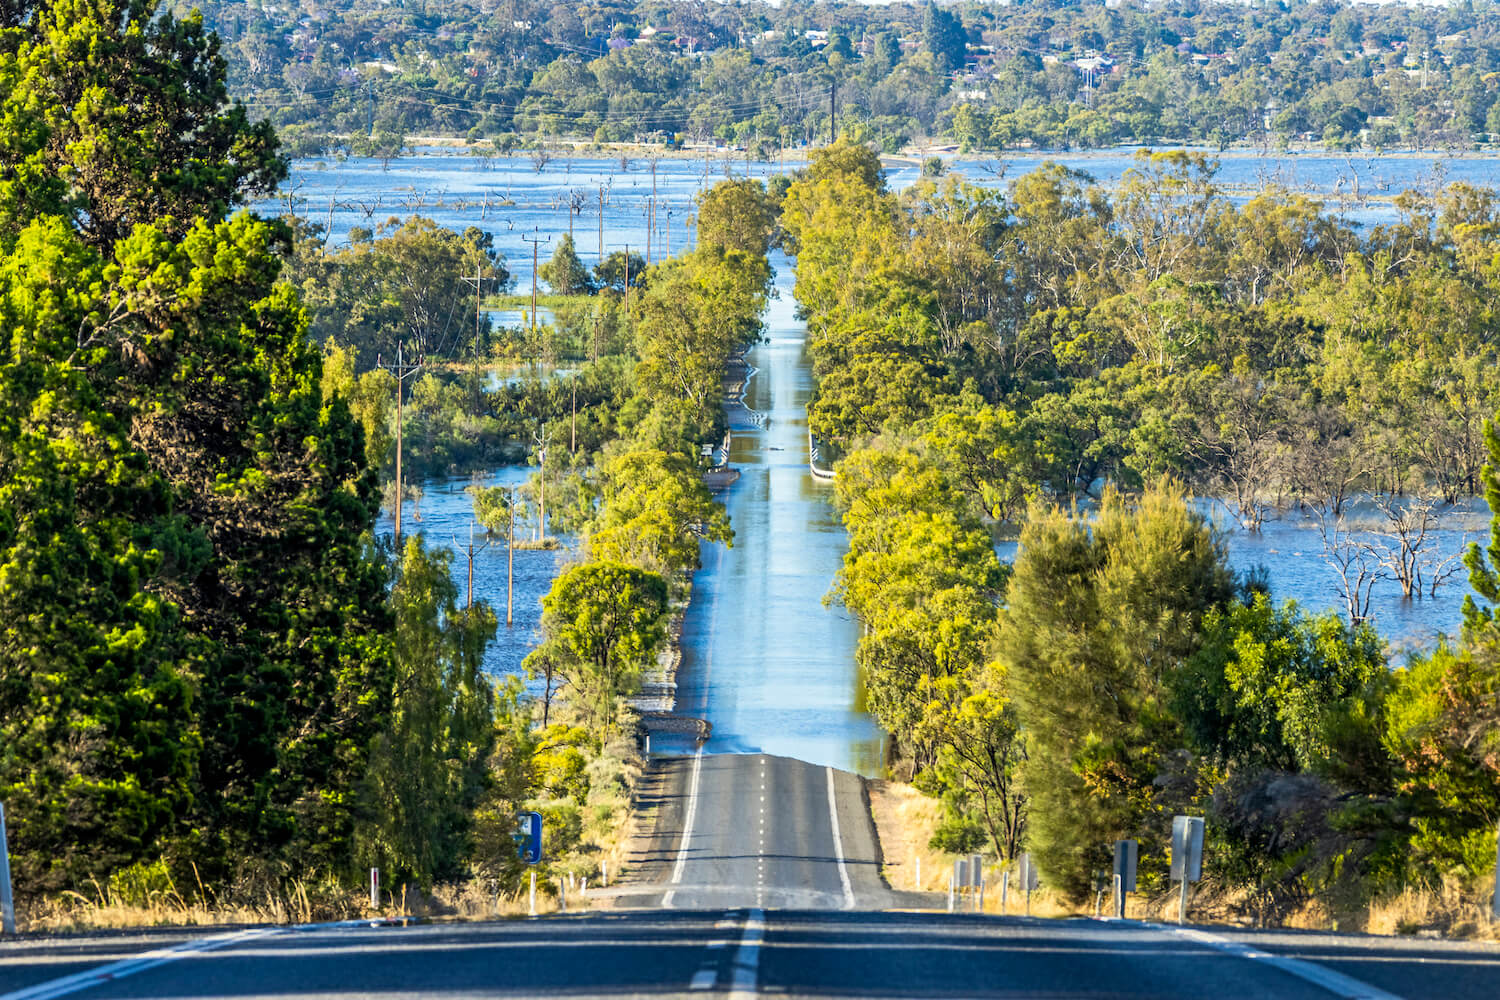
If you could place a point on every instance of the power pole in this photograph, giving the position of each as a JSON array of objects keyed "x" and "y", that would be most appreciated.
[
  {"x": 510, "y": 553},
  {"x": 833, "y": 112},
  {"x": 478, "y": 283},
  {"x": 651, "y": 211},
  {"x": 541, "y": 520},
  {"x": 573, "y": 415},
  {"x": 535, "y": 243},
  {"x": 601, "y": 223},
  {"x": 471, "y": 551},
  {"x": 402, "y": 371}
]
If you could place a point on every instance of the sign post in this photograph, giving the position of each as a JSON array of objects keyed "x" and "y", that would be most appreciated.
[
  {"x": 529, "y": 837},
  {"x": 7, "y": 904},
  {"x": 1187, "y": 856},
  {"x": 1125, "y": 858},
  {"x": 1495, "y": 904}
]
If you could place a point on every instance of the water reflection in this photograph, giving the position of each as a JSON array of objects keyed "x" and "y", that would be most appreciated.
[
  {"x": 763, "y": 660},
  {"x": 443, "y": 517}
]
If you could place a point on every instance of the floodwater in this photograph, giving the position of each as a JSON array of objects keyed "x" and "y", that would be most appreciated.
[
  {"x": 763, "y": 660},
  {"x": 444, "y": 517}
]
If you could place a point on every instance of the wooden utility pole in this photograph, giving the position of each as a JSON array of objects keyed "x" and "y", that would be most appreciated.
[
  {"x": 510, "y": 553},
  {"x": 541, "y": 519},
  {"x": 478, "y": 282},
  {"x": 471, "y": 551},
  {"x": 535, "y": 243},
  {"x": 651, "y": 221},
  {"x": 833, "y": 112},
  {"x": 601, "y": 223},
  {"x": 402, "y": 371}
]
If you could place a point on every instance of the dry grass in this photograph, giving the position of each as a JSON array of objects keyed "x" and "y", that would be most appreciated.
[
  {"x": 904, "y": 821},
  {"x": 107, "y": 910},
  {"x": 1449, "y": 910}
]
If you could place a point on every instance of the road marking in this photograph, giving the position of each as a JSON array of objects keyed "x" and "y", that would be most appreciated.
[
  {"x": 1336, "y": 983},
  {"x": 746, "y": 967},
  {"x": 130, "y": 966},
  {"x": 704, "y": 979},
  {"x": 687, "y": 830},
  {"x": 838, "y": 844}
]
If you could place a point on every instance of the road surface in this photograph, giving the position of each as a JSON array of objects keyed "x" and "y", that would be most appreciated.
[
  {"x": 755, "y": 830},
  {"x": 758, "y": 875}
]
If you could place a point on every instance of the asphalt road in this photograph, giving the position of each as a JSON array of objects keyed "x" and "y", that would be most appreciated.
[
  {"x": 743, "y": 830},
  {"x": 748, "y": 952},
  {"x": 757, "y": 875}
]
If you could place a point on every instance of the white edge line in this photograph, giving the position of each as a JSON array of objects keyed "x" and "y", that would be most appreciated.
[
  {"x": 838, "y": 844},
  {"x": 130, "y": 966},
  {"x": 161, "y": 956},
  {"x": 687, "y": 831},
  {"x": 746, "y": 967},
  {"x": 1335, "y": 982}
]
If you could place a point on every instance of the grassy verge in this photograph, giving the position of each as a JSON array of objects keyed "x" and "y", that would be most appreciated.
[
  {"x": 548, "y": 301},
  {"x": 905, "y": 818}
]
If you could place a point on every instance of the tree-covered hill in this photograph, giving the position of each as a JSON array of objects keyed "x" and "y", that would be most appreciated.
[{"x": 363, "y": 74}]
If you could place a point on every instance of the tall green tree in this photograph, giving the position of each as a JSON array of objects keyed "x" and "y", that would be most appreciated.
[
  {"x": 606, "y": 620},
  {"x": 655, "y": 512},
  {"x": 96, "y": 686},
  {"x": 119, "y": 115},
  {"x": 565, "y": 273},
  {"x": 1484, "y": 563},
  {"x": 1100, "y": 613},
  {"x": 429, "y": 767}
]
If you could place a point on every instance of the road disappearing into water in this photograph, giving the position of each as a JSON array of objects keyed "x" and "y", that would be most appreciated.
[{"x": 759, "y": 872}]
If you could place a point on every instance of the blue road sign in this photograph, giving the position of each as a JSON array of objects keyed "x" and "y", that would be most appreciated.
[{"x": 529, "y": 837}]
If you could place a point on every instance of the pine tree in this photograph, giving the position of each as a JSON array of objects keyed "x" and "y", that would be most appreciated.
[
  {"x": 1099, "y": 615},
  {"x": 1484, "y": 563}
]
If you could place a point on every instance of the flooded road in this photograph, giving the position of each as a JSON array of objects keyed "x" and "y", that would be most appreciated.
[{"x": 762, "y": 659}]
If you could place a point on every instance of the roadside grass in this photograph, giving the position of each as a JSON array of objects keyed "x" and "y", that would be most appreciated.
[
  {"x": 108, "y": 910},
  {"x": 1448, "y": 910},
  {"x": 905, "y": 818},
  {"x": 904, "y": 821}
]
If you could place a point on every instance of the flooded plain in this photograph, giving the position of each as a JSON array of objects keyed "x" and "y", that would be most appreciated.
[{"x": 764, "y": 660}]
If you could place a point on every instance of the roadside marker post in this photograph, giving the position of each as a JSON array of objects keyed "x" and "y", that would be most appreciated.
[
  {"x": 374, "y": 888},
  {"x": 952, "y": 885},
  {"x": 1495, "y": 901},
  {"x": 976, "y": 878},
  {"x": 7, "y": 902},
  {"x": 1004, "y": 888},
  {"x": 1187, "y": 857},
  {"x": 1126, "y": 852},
  {"x": 1030, "y": 879}
]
